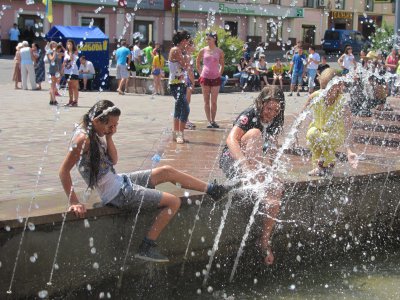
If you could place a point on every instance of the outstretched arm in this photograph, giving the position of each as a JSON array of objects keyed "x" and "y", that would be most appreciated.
[{"x": 70, "y": 160}]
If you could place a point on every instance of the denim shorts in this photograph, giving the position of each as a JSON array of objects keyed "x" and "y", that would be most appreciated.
[
  {"x": 182, "y": 108},
  {"x": 297, "y": 78},
  {"x": 137, "y": 188}
]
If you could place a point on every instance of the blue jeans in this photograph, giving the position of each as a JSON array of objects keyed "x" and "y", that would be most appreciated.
[
  {"x": 242, "y": 77},
  {"x": 311, "y": 78},
  {"x": 182, "y": 109},
  {"x": 224, "y": 79}
]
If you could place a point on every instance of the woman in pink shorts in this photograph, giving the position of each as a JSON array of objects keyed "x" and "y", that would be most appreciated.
[{"x": 210, "y": 75}]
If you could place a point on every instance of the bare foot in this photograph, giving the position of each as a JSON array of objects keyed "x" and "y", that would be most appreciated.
[{"x": 268, "y": 256}]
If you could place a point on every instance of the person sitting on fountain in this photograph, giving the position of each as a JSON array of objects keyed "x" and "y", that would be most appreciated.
[
  {"x": 326, "y": 132},
  {"x": 249, "y": 147},
  {"x": 94, "y": 153}
]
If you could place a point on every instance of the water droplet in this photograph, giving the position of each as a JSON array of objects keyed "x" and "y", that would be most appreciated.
[
  {"x": 226, "y": 27},
  {"x": 31, "y": 226},
  {"x": 7, "y": 228},
  {"x": 255, "y": 280},
  {"x": 95, "y": 265},
  {"x": 210, "y": 289},
  {"x": 101, "y": 295},
  {"x": 292, "y": 287},
  {"x": 198, "y": 291},
  {"x": 86, "y": 223},
  {"x": 32, "y": 259},
  {"x": 56, "y": 267},
  {"x": 43, "y": 294},
  {"x": 372, "y": 258},
  {"x": 202, "y": 239},
  {"x": 89, "y": 287},
  {"x": 91, "y": 242},
  {"x": 298, "y": 258},
  {"x": 93, "y": 250},
  {"x": 198, "y": 274}
]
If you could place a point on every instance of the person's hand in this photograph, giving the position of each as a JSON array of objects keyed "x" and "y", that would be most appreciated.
[
  {"x": 111, "y": 132},
  {"x": 352, "y": 159},
  {"x": 79, "y": 209}
]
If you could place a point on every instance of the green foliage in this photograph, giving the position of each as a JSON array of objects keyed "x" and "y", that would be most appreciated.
[
  {"x": 383, "y": 38},
  {"x": 145, "y": 70},
  {"x": 232, "y": 46}
]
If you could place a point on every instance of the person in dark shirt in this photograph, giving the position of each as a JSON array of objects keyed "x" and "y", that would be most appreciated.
[
  {"x": 247, "y": 155},
  {"x": 322, "y": 66}
]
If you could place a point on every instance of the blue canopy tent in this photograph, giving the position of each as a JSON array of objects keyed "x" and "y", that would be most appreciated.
[{"x": 91, "y": 42}]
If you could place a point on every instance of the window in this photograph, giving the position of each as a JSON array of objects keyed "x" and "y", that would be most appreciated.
[
  {"x": 309, "y": 34},
  {"x": 369, "y": 5},
  {"x": 146, "y": 30},
  {"x": 98, "y": 22},
  {"x": 232, "y": 27},
  {"x": 191, "y": 27},
  {"x": 340, "y": 4},
  {"x": 274, "y": 1},
  {"x": 309, "y": 3},
  {"x": 30, "y": 27}
]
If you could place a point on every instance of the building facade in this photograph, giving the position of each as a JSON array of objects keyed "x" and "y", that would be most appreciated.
[{"x": 274, "y": 22}]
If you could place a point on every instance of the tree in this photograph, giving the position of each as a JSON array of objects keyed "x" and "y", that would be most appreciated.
[
  {"x": 231, "y": 45},
  {"x": 383, "y": 39}
]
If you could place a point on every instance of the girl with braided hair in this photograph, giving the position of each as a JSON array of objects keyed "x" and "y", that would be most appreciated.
[{"x": 94, "y": 153}]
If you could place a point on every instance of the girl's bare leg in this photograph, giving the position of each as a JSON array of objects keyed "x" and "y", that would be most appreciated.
[
  {"x": 75, "y": 90},
  {"x": 170, "y": 205},
  {"x": 206, "y": 96},
  {"x": 214, "y": 98},
  {"x": 170, "y": 174},
  {"x": 272, "y": 206}
]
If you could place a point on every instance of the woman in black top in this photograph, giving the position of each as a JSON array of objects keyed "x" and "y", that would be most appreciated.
[{"x": 248, "y": 149}]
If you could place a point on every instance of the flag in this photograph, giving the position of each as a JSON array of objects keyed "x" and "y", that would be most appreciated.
[{"x": 49, "y": 10}]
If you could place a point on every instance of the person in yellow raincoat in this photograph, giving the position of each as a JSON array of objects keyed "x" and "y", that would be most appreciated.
[{"x": 327, "y": 131}]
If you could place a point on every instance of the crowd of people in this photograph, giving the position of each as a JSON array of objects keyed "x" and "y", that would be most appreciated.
[
  {"x": 30, "y": 68},
  {"x": 248, "y": 155}
]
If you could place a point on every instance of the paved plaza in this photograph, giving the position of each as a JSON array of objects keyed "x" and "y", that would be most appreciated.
[{"x": 35, "y": 136}]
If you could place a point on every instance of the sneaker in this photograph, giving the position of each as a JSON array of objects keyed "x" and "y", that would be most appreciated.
[
  {"x": 148, "y": 252},
  {"x": 298, "y": 94},
  {"x": 291, "y": 94},
  {"x": 210, "y": 125},
  {"x": 214, "y": 125},
  {"x": 179, "y": 138},
  {"x": 218, "y": 191}
]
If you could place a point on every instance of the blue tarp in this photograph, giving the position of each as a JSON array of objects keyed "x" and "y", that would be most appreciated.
[{"x": 91, "y": 42}]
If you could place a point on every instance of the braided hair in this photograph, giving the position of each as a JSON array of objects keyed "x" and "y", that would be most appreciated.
[{"x": 102, "y": 111}]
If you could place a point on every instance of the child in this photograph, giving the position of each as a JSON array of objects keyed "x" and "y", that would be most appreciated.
[
  {"x": 277, "y": 69},
  {"x": 327, "y": 132},
  {"x": 94, "y": 154},
  {"x": 157, "y": 71}
]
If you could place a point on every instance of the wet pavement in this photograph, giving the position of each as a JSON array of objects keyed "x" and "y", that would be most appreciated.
[{"x": 34, "y": 140}]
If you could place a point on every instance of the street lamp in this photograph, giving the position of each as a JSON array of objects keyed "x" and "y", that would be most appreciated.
[
  {"x": 176, "y": 6},
  {"x": 397, "y": 22}
]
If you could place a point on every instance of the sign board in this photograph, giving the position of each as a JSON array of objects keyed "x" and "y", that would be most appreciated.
[
  {"x": 239, "y": 9},
  {"x": 342, "y": 15}
]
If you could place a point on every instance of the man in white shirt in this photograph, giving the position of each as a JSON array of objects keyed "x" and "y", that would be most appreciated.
[
  {"x": 137, "y": 53},
  {"x": 312, "y": 66},
  {"x": 13, "y": 34},
  {"x": 86, "y": 71}
]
